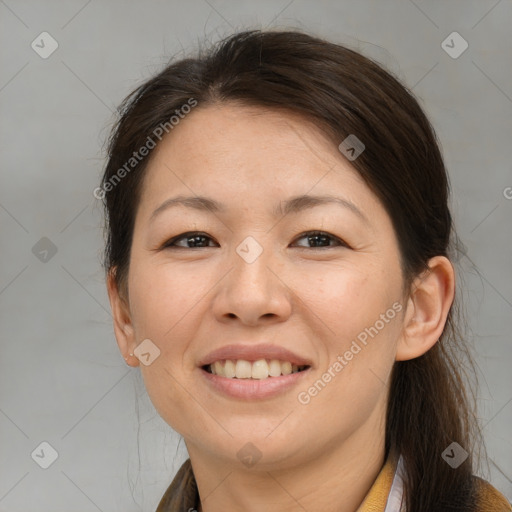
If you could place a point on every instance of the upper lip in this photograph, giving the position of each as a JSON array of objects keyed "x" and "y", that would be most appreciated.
[{"x": 253, "y": 353}]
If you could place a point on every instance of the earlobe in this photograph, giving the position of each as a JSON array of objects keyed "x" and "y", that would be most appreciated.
[
  {"x": 427, "y": 309},
  {"x": 123, "y": 327}
]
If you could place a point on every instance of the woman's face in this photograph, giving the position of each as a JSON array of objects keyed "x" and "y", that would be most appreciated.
[{"x": 255, "y": 276}]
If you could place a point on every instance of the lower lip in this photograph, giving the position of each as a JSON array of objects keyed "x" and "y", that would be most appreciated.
[{"x": 254, "y": 389}]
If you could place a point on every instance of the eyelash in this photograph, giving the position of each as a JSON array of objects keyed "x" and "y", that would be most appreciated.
[{"x": 190, "y": 234}]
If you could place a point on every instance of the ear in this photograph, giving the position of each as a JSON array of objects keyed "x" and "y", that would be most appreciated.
[
  {"x": 428, "y": 305},
  {"x": 123, "y": 327}
]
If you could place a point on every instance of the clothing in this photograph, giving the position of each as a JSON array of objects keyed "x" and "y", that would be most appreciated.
[{"x": 385, "y": 495}]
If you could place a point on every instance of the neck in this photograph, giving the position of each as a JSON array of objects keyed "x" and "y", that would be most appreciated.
[{"x": 337, "y": 478}]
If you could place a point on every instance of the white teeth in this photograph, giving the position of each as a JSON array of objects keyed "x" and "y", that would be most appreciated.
[
  {"x": 229, "y": 368},
  {"x": 286, "y": 368},
  {"x": 274, "y": 369},
  {"x": 260, "y": 369},
  {"x": 219, "y": 368},
  {"x": 243, "y": 369}
]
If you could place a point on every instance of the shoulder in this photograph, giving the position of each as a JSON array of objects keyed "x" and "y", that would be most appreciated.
[{"x": 489, "y": 499}]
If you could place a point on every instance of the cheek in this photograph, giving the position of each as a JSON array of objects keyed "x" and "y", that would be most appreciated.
[
  {"x": 163, "y": 299},
  {"x": 368, "y": 328},
  {"x": 165, "y": 304},
  {"x": 351, "y": 385},
  {"x": 358, "y": 325},
  {"x": 345, "y": 300}
]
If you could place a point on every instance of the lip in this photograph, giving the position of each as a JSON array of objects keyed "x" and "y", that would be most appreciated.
[
  {"x": 253, "y": 389},
  {"x": 253, "y": 353}
]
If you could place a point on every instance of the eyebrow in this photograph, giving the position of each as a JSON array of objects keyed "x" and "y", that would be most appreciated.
[{"x": 292, "y": 205}]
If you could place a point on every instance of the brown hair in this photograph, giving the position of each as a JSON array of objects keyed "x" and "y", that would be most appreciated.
[{"x": 345, "y": 93}]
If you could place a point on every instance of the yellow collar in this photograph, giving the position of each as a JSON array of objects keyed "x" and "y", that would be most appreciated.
[
  {"x": 182, "y": 494},
  {"x": 377, "y": 498}
]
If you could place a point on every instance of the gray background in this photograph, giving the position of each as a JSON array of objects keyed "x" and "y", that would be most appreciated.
[{"x": 62, "y": 378}]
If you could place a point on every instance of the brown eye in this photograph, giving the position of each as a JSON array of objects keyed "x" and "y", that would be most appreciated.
[
  {"x": 196, "y": 239},
  {"x": 321, "y": 239}
]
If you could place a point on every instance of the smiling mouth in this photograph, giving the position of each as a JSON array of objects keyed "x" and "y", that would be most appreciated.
[{"x": 257, "y": 370}]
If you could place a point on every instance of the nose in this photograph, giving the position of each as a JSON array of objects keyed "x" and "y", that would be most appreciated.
[{"x": 254, "y": 290}]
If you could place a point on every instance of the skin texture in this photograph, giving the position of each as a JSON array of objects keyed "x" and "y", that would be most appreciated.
[{"x": 311, "y": 300}]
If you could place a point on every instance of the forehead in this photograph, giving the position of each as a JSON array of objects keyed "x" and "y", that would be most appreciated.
[{"x": 248, "y": 156}]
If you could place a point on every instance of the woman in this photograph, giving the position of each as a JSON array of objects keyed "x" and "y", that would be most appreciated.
[{"x": 278, "y": 259}]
